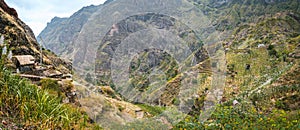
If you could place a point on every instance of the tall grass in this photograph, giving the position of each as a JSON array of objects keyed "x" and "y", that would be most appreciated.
[{"x": 25, "y": 104}]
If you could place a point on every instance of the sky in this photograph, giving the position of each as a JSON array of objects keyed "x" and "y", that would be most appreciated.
[{"x": 37, "y": 13}]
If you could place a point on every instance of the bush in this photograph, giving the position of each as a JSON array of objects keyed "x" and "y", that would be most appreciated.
[
  {"x": 273, "y": 52},
  {"x": 49, "y": 84},
  {"x": 153, "y": 110},
  {"x": 89, "y": 78}
]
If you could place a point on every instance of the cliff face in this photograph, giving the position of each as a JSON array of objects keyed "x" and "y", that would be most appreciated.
[{"x": 20, "y": 39}]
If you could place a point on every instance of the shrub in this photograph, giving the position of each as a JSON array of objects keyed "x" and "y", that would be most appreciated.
[
  {"x": 49, "y": 84},
  {"x": 243, "y": 117},
  {"x": 153, "y": 110},
  {"x": 273, "y": 52}
]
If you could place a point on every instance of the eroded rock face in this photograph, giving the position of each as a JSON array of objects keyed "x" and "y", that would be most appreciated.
[
  {"x": 7, "y": 9},
  {"x": 133, "y": 24},
  {"x": 155, "y": 60}
]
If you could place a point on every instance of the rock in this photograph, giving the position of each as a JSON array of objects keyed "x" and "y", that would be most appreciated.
[
  {"x": 139, "y": 114},
  {"x": 165, "y": 122},
  {"x": 4, "y": 122},
  {"x": 261, "y": 45},
  {"x": 235, "y": 102},
  {"x": 224, "y": 99}
]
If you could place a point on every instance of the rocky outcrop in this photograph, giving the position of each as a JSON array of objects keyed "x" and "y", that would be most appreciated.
[
  {"x": 20, "y": 40},
  {"x": 7, "y": 9}
]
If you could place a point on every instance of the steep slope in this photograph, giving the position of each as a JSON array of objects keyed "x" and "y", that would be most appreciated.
[
  {"x": 83, "y": 54},
  {"x": 263, "y": 77},
  {"x": 20, "y": 39},
  {"x": 60, "y": 34},
  {"x": 7, "y": 9},
  {"x": 228, "y": 14},
  {"x": 264, "y": 51}
]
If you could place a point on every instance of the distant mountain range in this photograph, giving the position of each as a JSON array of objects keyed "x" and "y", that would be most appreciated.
[{"x": 255, "y": 43}]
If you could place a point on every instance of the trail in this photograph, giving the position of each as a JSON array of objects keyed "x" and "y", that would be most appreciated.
[
  {"x": 261, "y": 86},
  {"x": 276, "y": 77}
]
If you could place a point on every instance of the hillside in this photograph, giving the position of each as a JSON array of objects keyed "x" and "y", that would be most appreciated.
[
  {"x": 254, "y": 43},
  {"x": 263, "y": 76},
  {"x": 20, "y": 40}
]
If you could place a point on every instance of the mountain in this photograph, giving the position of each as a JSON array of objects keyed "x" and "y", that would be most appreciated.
[
  {"x": 60, "y": 32},
  {"x": 65, "y": 36},
  {"x": 254, "y": 43}
]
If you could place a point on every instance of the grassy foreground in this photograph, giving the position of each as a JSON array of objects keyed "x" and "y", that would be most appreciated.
[{"x": 24, "y": 105}]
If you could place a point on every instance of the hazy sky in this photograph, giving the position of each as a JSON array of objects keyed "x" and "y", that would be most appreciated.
[{"x": 36, "y": 13}]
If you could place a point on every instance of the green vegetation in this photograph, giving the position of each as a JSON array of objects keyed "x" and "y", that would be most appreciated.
[
  {"x": 153, "y": 110},
  {"x": 230, "y": 15},
  {"x": 244, "y": 116},
  {"x": 150, "y": 124},
  {"x": 51, "y": 86},
  {"x": 27, "y": 106},
  {"x": 257, "y": 53},
  {"x": 287, "y": 98}
]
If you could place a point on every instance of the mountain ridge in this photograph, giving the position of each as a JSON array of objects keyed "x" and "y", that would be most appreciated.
[{"x": 68, "y": 29}]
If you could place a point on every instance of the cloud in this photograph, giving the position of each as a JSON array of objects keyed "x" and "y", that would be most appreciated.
[{"x": 36, "y": 13}]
